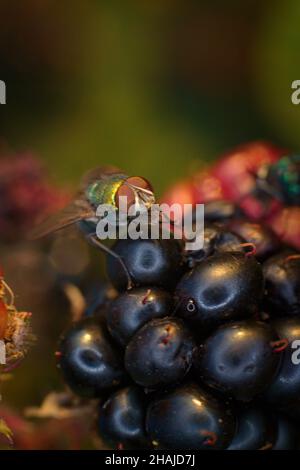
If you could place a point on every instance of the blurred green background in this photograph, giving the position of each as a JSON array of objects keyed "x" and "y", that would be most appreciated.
[
  {"x": 152, "y": 86},
  {"x": 156, "y": 87}
]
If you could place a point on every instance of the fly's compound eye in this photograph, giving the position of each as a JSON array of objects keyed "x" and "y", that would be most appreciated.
[
  {"x": 127, "y": 194},
  {"x": 135, "y": 189}
]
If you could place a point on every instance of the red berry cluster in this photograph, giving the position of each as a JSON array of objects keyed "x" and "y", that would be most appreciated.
[
  {"x": 25, "y": 195},
  {"x": 234, "y": 178}
]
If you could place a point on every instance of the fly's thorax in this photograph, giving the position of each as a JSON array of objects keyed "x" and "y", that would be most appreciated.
[{"x": 104, "y": 191}]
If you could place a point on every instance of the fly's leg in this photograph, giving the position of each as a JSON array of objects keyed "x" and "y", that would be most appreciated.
[{"x": 92, "y": 238}]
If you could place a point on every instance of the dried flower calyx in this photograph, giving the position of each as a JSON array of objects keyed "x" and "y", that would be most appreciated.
[{"x": 15, "y": 329}]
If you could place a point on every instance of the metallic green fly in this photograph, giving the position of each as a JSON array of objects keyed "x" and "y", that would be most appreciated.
[{"x": 103, "y": 185}]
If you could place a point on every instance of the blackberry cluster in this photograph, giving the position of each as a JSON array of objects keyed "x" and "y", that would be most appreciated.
[
  {"x": 200, "y": 353},
  {"x": 203, "y": 351}
]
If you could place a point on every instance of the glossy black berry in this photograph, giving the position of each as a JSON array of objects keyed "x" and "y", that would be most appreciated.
[
  {"x": 210, "y": 234},
  {"x": 265, "y": 241},
  {"x": 88, "y": 360},
  {"x": 287, "y": 434},
  {"x": 228, "y": 241},
  {"x": 122, "y": 418},
  {"x": 282, "y": 283},
  {"x": 149, "y": 262},
  {"x": 239, "y": 359},
  {"x": 189, "y": 418},
  {"x": 98, "y": 298},
  {"x": 285, "y": 387},
  {"x": 219, "y": 211},
  {"x": 133, "y": 308},
  {"x": 222, "y": 287},
  {"x": 256, "y": 430},
  {"x": 291, "y": 410},
  {"x": 160, "y": 353},
  {"x": 215, "y": 239}
]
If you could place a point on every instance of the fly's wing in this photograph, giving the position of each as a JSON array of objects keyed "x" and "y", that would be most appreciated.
[
  {"x": 77, "y": 210},
  {"x": 73, "y": 212},
  {"x": 98, "y": 173}
]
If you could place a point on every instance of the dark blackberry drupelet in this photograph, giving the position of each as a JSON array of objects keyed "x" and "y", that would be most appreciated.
[
  {"x": 189, "y": 418},
  {"x": 89, "y": 361},
  {"x": 239, "y": 359},
  {"x": 149, "y": 262},
  {"x": 121, "y": 420},
  {"x": 282, "y": 283},
  {"x": 133, "y": 308},
  {"x": 223, "y": 287},
  {"x": 160, "y": 353}
]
